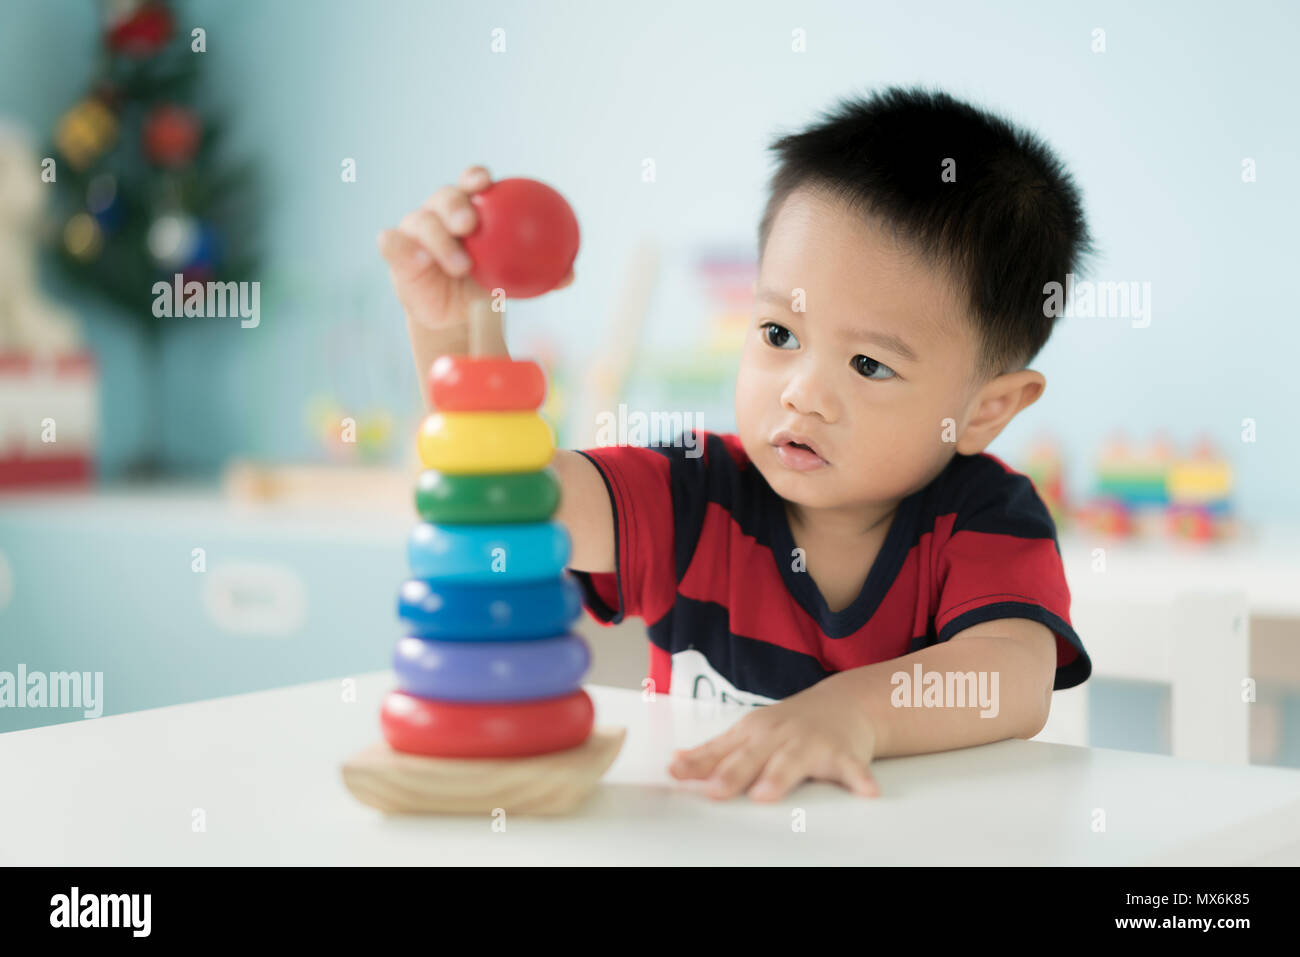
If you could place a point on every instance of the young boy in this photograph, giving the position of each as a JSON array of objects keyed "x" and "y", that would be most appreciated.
[{"x": 850, "y": 557}]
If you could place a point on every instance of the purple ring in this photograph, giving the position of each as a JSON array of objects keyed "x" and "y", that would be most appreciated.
[{"x": 491, "y": 671}]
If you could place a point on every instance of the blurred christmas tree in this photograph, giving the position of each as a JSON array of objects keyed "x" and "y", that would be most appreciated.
[{"x": 142, "y": 192}]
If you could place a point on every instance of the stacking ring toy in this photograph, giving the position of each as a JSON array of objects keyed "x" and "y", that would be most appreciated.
[
  {"x": 526, "y": 238},
  {"x": 485, "y": 384},
  {"x": 476, "y": 442},
  {"x": 488, "y": 553},
  {"x": 510, "y": 497},
  {"x": 454, "y": 729},
  {"x": 499, "y": 671},
  {"x": 456, "y": 612}
]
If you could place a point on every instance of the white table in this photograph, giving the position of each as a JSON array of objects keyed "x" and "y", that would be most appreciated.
[
  {"x": 1265, "y": 567},
  {"x": 264, "y": 768},
  {"x": 1167, "y": 611}
]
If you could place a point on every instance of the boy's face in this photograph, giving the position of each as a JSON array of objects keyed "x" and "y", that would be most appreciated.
[{"x": 874, "y": 414}]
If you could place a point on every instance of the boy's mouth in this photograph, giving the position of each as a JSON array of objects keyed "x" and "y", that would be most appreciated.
[
  {"x": 799, "y": 457},
  {"x": 797, "y": 454}
]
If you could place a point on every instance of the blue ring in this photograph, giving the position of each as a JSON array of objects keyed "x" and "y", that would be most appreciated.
[
  {"x": 458, "y": 612},
  {"x": 523, "y": 551},
  {"x": 491, "y": 671}
]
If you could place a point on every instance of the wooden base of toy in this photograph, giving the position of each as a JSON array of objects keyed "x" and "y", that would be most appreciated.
[{"x": 554, "y": 783}]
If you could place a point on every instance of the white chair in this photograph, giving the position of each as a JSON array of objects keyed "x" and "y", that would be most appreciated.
[{"x": 1197, "y": 643}]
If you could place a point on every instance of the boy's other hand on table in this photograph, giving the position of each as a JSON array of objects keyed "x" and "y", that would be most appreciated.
[{"x": 813, "y": 734}]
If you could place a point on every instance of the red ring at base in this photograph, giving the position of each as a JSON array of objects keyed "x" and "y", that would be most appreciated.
[{"x": 454, "y": 729}]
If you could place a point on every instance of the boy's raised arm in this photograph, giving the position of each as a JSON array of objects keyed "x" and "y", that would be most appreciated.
[{"x": 430, "y": 273}]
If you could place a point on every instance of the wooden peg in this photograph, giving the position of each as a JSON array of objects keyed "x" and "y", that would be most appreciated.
[{"x": 486, "y": 335}]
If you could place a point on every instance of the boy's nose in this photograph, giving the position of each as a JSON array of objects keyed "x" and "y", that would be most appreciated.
[{"x": 808, "y": 395}]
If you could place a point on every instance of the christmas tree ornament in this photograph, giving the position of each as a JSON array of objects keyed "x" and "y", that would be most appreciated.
[
  {"x": 207, "y": 249},
  {"x": 142, "y": 32},
  {"x": 82, "y": 237},
  {"x": 85, "y": 132},
  {"x": 119, "y": 11},
  {"x": 104, "y": 203},
  {"x": 173, "y": 239},
  {"x": 171, "y": 136}
]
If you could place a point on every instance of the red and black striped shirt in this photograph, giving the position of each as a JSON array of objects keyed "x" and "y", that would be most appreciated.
[{"x": 703, "y": 547}]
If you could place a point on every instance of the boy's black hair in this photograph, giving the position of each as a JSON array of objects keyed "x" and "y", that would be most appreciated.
[{"x": 1011, "y": 221}]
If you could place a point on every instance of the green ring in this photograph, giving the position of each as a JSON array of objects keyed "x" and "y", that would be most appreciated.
[{"x": 479, "y": 499}]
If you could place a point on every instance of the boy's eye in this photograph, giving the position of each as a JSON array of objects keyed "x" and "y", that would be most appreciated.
[
  {"x": 869, "y": 367},
  {"x": 779, "y": 337}
]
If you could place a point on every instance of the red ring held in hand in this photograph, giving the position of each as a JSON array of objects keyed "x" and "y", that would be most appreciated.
[
  {"x": 486, "y": 384},
  {"x": 526, "y": 239},
  {"x": 511, "y": 729}
]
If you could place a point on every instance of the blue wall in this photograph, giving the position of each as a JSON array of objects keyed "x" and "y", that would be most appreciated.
[{"x": 1155, "y": 130}]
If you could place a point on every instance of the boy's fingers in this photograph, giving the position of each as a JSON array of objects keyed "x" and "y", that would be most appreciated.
[
  {"x": 406, "y": 257},
  {"x": 857, "y": 778},
  {"x": 457, "y": 213},
  {"x": 426, "y": 228},
  {"x": 414, "y": 278},
  {"x": 475, "y": 178}
]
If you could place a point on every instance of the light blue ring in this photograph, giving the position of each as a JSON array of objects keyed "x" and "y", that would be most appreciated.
[{"x": 523, "y": 551}]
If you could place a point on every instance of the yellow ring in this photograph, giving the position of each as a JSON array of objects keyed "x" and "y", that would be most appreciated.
[{"x": 466, "y": 443}]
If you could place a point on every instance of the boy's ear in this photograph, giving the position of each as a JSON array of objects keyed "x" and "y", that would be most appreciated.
[{"x": 996, "y": 404}]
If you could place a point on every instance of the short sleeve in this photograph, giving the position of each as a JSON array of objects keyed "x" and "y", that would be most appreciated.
[
  {"x": 650, "y": 491},
  {"x": 1002, "y": 560}
]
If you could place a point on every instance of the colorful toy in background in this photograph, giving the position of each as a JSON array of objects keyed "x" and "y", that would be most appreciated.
[
  {"x": 49, "y": 419},
  {"x": 1045, "y": 467},
  {"x": 1143, "y": 492},
  {"x": 728, "y": 278},
  {"x": 348, "y": 436},
  {"x": 49, "y": 381},
  {"x": 1129, "y": 494},
  {"x": 605, "y": 376},
  {"x": 490, "y": 713},
  {"x": 1199, "y": 491},
  {"x": 555, "y": 408},
  {"x": 700, "y": 377}
]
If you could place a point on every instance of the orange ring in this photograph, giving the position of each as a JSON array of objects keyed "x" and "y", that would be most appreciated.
[
  {"x": 486, "y": 384},
  {"x": 509, "y": 729}
]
